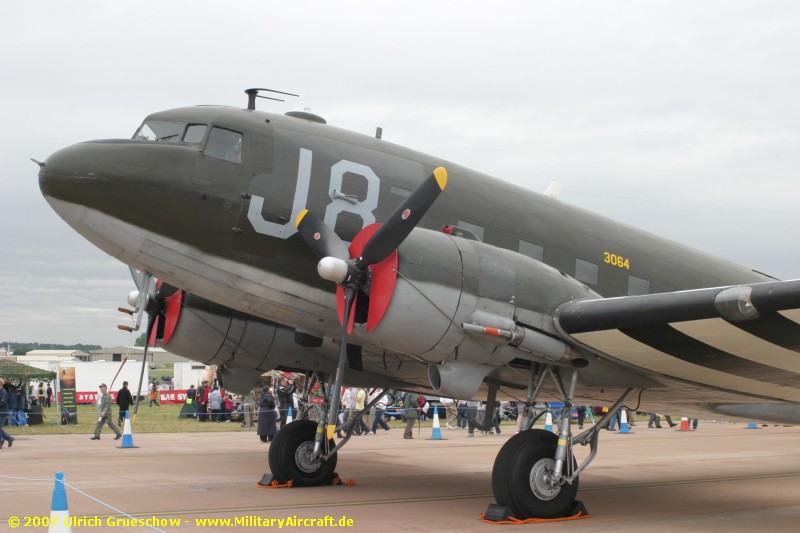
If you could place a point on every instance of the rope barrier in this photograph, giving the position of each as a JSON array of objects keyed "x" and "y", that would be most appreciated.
[{"x": 85, "y": 494}]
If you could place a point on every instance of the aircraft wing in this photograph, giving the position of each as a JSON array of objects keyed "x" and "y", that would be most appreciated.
[{"x": 743, "y": 338}]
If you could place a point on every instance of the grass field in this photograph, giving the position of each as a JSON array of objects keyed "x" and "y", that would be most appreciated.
[{"x": 162, "y": 419}]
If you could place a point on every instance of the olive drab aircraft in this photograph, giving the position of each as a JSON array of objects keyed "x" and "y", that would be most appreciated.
[{"x": 283, "y": 242}]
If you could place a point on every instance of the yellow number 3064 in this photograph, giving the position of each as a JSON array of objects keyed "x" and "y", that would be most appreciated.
[{"x": 617, "y": 260}]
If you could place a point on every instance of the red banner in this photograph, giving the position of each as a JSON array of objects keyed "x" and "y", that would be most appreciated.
[{"x": 167, "y": 397}]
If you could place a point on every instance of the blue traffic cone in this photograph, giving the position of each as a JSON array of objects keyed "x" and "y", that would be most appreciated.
[
  {"x": 548, "y": 421},
  {"x": 623, "y": 422},
  {"x": 127, "y": 434},
  {"x": 436, "y": 434},
  {"x": 59, "y": 509},
  {"x": 752, "y": 425}
]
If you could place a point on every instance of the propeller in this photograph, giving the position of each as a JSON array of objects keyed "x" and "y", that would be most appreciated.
[
  {"x": 161, "y": 303},
  {"x": 335, "y": 265},
  {"x": 353, "y": 274}
]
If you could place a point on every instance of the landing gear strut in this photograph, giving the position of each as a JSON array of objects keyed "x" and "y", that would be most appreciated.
[{"x": 535, "y": 473}]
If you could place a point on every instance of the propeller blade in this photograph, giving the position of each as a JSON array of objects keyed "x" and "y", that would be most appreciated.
[
  {"x": 404, "y": 219},
  {"x": 152, "y": 319},
  {"x": 333, "y": 411},
  {"x": 319, "y": 237}
]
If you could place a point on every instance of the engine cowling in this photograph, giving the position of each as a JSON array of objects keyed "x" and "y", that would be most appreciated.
[
  {"x": 445, "y": 281},
  {"x": 238, "y": 343}
]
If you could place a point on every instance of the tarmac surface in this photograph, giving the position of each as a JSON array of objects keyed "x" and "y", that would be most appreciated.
[{"x": 721, "y": 477}]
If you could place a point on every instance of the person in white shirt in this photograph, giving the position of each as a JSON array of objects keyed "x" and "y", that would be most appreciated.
[
  {"x": 451, "y": 407},
  {"x": 378, "y": 410}
]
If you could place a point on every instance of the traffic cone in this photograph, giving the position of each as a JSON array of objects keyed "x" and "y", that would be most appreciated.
[
  {"x": 436, "y": 434},
  {"x": 127, "y": 434},
  {"x": 684, "y": 424},
  {"x": 752, "y": 425},
  {"x": 623, "y": 422},
  {"x": 548, "y": 421},
  {"x": 289, "y": 416},
  {"x": 59, "y": 510}
]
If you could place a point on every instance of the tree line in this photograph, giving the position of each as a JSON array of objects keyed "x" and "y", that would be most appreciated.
[{"x": 21, "y": 348}]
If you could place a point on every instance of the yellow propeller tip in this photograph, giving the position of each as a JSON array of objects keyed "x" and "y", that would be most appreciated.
[
  {"x": 299, "y": 218},
  {"x": 441, "y": 177}
]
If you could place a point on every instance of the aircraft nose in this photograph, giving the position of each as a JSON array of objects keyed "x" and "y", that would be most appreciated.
[{"x": 65, "y": 169}]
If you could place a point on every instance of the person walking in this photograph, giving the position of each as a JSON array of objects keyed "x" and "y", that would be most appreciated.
[
  {"x": 154, "y": 395},
  {"x": 581, "y": 409},
  {"x": 452, "y": 411},
  {"x": 411, "y": 412},
  {"x": 472, "y": 413},
  {"x": 104, "y": 409},
  {"x": 124, "y": 400},
  {"x": 4, "y": 437},
  {"x": 379, "y": 410}
]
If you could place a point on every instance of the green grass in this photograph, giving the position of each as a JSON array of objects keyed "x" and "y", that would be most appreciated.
[{"x": 162, "y": 419}]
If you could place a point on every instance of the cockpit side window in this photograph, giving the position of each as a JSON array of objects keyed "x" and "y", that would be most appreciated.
[
  {"x": 195, "y": 133},
  {"x": 225, "y": 144},
  {"x": 157, "y": 130}
]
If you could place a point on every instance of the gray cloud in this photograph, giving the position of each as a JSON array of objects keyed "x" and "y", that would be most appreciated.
[{"x": 679, "y": 117}]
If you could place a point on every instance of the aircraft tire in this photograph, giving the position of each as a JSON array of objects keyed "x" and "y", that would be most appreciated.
[
  {"x": 524, "y": 454},
  {"x": 289, "y": 456}
]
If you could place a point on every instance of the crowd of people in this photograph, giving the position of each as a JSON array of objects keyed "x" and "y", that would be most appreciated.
[{"x": 268, "y": 408}]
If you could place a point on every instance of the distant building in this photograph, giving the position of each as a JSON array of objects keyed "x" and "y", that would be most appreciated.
[
  {"x": 54, "y": 356},
  {"x": 157, "y": 356}
]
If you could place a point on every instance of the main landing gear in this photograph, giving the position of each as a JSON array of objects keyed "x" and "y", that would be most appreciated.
[
  {"x": 292, "y": 457},
  {"x": 304, "y": 453},
  {"x": 535, "y": 474}
]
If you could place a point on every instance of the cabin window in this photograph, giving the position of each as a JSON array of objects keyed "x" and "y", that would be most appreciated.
[
  {"x": 534, "y": 251},
  {"x": 225, "y": 144},
  {"x": 195, "y": 133},
  {"x": 586, "y": 272},
  {"x": 159, "y": 130},
  {"x": 638, "y": 286}
]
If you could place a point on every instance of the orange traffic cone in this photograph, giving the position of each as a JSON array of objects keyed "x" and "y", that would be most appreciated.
[{"x": 684, "y": 424}]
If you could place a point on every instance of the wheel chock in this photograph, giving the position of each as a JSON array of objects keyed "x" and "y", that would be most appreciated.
[
  {"x": 337, "y": 480},
  {"x": 500, "y": 514},
  {"x": 497, "y": 513},
  {"x": 268, "y": 481}
]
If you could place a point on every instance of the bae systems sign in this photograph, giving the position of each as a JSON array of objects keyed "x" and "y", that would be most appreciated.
[{"x": 167, "y": 396}]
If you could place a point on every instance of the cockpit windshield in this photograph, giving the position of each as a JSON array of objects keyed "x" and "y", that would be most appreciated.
[{"x": 159, "y": 130}]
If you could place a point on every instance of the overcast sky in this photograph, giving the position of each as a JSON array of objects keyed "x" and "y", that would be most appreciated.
[{"x": 682, "y": 118}]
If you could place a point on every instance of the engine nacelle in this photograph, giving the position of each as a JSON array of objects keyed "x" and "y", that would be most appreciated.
[
  {"x": 216, "y": 335},
  {"x": 457, "y": 379},
  {"x": 445, "y": 281}
]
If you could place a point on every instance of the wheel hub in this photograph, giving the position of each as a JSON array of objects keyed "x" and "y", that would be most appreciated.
[
  {"x": 305, "y": 459},
  {"x": 542, "y": 480}
]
